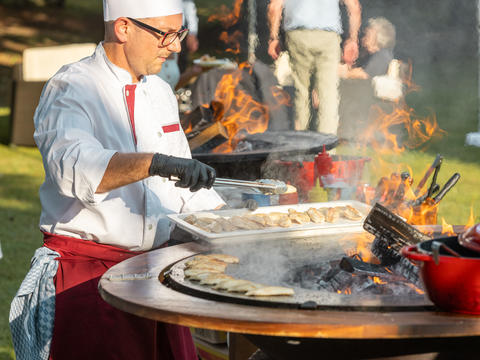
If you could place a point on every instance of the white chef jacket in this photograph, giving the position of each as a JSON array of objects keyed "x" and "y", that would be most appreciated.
[{"x": 81, "y": 121}]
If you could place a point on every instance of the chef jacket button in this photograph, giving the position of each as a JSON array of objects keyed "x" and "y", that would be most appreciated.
[
  {"x": 150, "y": 226},
  {"x": 160, "y": 134}
]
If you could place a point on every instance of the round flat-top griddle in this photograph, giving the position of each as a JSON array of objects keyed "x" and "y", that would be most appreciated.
[{"x": 138, "y": 286}]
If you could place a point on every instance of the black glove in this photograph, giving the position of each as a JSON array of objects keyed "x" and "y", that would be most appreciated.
[{"x": 192, "y": 173}]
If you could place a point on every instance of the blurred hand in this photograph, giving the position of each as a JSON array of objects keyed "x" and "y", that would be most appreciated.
[
  {"x": 350, "y": 51},
  {"x": 343, "y": 70},
  {"x": 192, "y": 42},
  {"x": 274, "y": 49}
]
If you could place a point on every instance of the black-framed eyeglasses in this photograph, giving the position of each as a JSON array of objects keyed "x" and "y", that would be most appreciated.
[{"x": 167, "y": 37}]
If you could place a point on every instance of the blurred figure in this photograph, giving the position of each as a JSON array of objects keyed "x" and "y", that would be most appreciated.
[
  {"x": 176, "y": 70},
  {"x": 171, "y": 73},
  {"x": 378, "y": 42},
  {"x": 190, "y": 20},
  {"x": 312, "y": 38}
]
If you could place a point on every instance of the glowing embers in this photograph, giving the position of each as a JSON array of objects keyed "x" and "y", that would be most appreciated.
[{"x": 351, "y": 276}]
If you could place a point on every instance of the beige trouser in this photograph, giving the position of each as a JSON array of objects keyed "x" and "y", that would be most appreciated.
[{"x": 315, "y": 53}]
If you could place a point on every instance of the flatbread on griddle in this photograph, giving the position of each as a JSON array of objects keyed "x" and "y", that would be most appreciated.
[
  {"x": 217, "y": 266},
  {"x": 245, "y": 287},
  {"x": 229, "y": 259},
  {"x": 204, "y": 261},
  {"x": 194, "y": 273},
  {"x": 214, "y": 279},
  {"x": 228, "y": 284},
  {"x": 271, "y": 291}
]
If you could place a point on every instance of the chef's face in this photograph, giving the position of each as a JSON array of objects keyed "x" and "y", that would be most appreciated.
[{"x": 144, "y": 50}]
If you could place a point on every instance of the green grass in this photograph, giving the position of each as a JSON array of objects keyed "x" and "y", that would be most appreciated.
[{"x": 21, "y": 174}]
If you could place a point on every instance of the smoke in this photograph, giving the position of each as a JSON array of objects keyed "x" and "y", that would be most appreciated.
[{"x": 268, "y": 261}]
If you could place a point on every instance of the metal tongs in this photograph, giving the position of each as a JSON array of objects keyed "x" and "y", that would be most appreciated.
[{"x": 264, "y": 185}]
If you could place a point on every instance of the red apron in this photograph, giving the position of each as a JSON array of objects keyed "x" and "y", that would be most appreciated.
[{"x": 86, "y": 327}]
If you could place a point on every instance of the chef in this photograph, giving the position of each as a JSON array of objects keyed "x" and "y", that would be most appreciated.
[{"x": 109, "y": 134}]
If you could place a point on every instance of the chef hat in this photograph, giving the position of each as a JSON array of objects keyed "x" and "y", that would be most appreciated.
[{"x": 139, "y": 9}]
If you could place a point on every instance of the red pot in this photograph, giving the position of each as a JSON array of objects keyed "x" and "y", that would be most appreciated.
[{"x": 452, "y": 282}]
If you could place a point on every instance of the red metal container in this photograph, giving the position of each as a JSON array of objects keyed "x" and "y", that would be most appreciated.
[
  {"x": 452, "y": 282},
  {"x": 345, "y": 168},
  {"x": 298, "y": 173}
]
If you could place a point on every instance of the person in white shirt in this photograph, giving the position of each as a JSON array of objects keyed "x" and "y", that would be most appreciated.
[
  {"x": 313, "y": 31},
  {"x": 109, "y": 133}
]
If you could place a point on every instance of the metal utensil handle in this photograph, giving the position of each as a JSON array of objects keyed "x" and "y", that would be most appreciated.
[
  {"x": 238, "y": 183},
  {"x": 432, "y": 167},
  {"x": 434, "y": 178},
  {"x": 446, "y": 188},
  {"x": 243, "y": 183}
]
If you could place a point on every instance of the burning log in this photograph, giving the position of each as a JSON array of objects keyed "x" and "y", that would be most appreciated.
[
  {"x": 360, "y": 267},
  {"x": 391, "y": 234},
  {"x": 392, "y": 258},
  {"x": 215, "y": 132}
]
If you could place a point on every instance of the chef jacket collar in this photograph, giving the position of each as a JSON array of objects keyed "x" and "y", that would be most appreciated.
[{"x": 122, "y": 75}]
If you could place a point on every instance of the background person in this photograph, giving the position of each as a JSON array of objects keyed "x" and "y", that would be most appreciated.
[
  {"x": 110, "y": 138},
  {"x": 190, "y": 20},
  {"x": 378, "y": 43},
  {"x": 171, "y": 73},
  {"x": 312, "y": 38}
]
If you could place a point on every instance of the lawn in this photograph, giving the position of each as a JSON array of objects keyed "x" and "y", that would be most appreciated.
[{"x": 452, "y": 97}]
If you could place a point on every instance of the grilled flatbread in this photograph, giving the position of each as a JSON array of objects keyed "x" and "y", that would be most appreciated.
[
  {"x": 298, "y": 217},
  {"x": 209, "y": 225},
  {"x": 229, "y": 259},
  {"x": 315, "y": 216},
  {"x": 194, "y": 273},
  {"x": 214, "y": 279},
  {"x": 351, "y": 213},
  {"x": 200, "y": 262},
  {"x": 191, "y": 219},
  {"x": 279, "y": 219},
  {"x": 217, "y": 266},
  {"x": 271, "y": 291},
  {"x": 246, "y": 224},
  {"x": 228, "y": 284},
  {"x": 260, "y": 219},
  {"x": 333, "y": 214},
  {"x": 227, "y": 226},
  {"x": 248, "y": 286}
]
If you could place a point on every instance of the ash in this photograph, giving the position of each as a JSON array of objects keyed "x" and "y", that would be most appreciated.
[
  {"x": 318, "y": 264},
  {"x": 328, "y": 276}
]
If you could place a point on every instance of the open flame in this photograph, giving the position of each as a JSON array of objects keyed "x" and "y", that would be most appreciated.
[
  {"x": 471, "y": 219},
  {"x": 382, "y": 133},
  {"x": 447, "y": 229},
  {"x": 361, "y": 248},
  {"x": 240, "y": 110},
  {"x": 377, "y": 280},
  {"x": 229, "y": 18},
  {"x": 390, "y": 134}
]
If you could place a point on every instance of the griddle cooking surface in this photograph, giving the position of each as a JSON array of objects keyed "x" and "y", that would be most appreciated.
[{"x": 275, "y": 269}]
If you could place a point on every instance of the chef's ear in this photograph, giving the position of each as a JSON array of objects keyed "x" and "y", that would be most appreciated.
[{"x": 122, "y": 27}]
